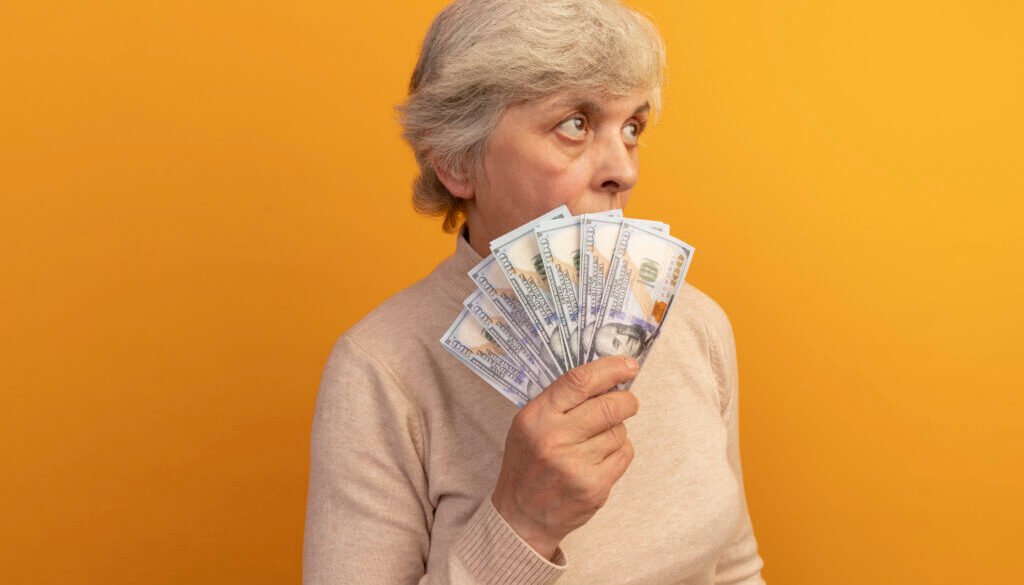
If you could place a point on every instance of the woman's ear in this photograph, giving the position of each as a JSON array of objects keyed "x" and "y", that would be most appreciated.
[{"x": 458, "y": 184}]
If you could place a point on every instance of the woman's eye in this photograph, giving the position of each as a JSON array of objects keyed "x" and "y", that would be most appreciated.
[
  {"x": 631, "y": 133},
  {"x": 574, "y": 127}
]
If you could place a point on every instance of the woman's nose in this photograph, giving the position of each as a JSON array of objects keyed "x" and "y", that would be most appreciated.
[{"x": 617, "y": 168}]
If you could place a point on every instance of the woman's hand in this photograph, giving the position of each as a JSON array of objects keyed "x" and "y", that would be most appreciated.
[{"x": 564, "y": 451}]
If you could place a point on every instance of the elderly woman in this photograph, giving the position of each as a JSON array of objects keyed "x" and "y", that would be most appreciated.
[{"x": 420, "y": 472}]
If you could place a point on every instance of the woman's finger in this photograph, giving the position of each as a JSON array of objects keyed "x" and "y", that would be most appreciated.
[
  {"x": 584, "y": 382},
  {"x": 601, "y": 413},
  {"x": 604, "y": 444}
]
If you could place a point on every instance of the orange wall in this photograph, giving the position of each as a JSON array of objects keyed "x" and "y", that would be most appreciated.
[{"x": 198, "y": 197}]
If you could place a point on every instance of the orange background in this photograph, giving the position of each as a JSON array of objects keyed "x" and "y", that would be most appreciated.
[{"x": 199, "y": 197}]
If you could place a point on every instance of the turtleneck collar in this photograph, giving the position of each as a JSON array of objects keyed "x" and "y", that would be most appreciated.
[{"x": 452, "y": 271}]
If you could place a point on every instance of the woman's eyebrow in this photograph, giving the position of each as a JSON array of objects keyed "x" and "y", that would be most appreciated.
[
  {"x": 588, "y": 105},
  {"x": 579, "y": 103}
]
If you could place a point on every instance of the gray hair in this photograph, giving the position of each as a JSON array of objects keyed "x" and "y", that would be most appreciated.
[{"x": 480, "y": 56}]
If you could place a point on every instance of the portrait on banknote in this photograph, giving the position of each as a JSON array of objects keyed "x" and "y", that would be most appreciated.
[{"x": 620, "y": 339}]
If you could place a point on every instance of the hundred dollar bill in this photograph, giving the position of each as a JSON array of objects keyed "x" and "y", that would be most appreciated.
[
  {"x": 471, "y": 345},
  {"x": 495, "y": 324},
  {"x": 491, "y": 281},
  {"x": 597, "y": 246},
  {"x": 559, "y": 243},
  {"x": 519, "y": 257},
  {"x": 647, "y": 269}
]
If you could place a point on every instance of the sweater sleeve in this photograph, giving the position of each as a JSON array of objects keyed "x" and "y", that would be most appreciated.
[
  {"x": 740, "y": 563},
  {"x": 369, "y": 513}
]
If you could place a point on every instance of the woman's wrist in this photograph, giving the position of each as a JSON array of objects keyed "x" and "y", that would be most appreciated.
[{"x": 531, "y": 532}]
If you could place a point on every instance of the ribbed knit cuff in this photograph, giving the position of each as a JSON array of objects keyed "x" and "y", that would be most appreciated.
[{"x": 495, "y": 555}]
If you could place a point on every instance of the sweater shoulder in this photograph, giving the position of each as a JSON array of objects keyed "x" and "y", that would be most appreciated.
[
  {"x": 407, "y": 326},
  {"x": 407, "y": 312},
  {"x": 707, "y": 324},
  {"x": 699, "y": 310}
]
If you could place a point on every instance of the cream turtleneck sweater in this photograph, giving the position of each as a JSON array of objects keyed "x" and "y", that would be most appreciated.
[{"x": 407, "y": 444}]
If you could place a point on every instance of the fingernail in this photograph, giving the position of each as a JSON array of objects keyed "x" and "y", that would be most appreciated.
[{"x": 632, "y": 364}]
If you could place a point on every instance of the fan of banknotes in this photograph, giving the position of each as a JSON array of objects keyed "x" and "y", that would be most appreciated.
[{"x": 564, "y": 290}]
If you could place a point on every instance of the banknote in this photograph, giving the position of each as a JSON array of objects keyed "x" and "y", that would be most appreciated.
[
  {"x": 491, "y": 281},
  {"x": 519, "y": 257},
  {"x": 564, "y": 290},
  {"x": 598, "y": 234},
  {"x": 471, "y": 345},
  {"x": 646, "y": 271},
  {"x": 497, "y": 326},
  {"x": 559, "y": 243}
]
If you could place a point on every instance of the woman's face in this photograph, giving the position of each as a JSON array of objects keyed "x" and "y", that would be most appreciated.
[{"x": 577, "y": 150}]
